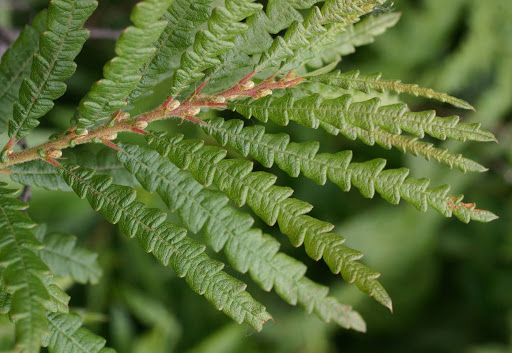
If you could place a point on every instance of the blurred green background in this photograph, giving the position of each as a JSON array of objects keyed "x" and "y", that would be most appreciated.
[{"x": 451, "y": 283}]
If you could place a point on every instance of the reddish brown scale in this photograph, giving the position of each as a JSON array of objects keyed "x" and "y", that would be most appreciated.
[
  {"x": 138, "y": 131},
  {"x": 111, "y": 145},
  {"x": 53, "y": 161}
]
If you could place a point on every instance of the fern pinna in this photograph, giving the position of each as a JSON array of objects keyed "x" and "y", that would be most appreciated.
[{"x": 273, "y": 64}]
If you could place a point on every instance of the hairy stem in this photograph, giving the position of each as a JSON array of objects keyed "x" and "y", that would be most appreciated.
[{"x": 170, "y": 108}]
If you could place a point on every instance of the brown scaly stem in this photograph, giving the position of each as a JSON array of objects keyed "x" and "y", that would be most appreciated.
[{"x": 170, "y": 108}]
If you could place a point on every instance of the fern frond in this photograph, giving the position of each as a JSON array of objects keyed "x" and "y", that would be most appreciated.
[
  {"x": 368, "y": 115},
  {"x": 333, "y": 39},
  {"x": 356, "y": 35},
  {"x": 367, "y": 83},
  {"x": 15, "y": 66},
  {"x": 64, "y": 258},
  {"x": 224, "y": 227},
  {"x": 54, "y": 63},
  {"x": 59, "y": 300},
  {"x": 122, "y": 74},
  {"x": 368, "y": 121},
  {"x": 67, "y": 335},
  {"x": 25, "y": 275},
  {"x": 272, "y": 204},
  {"x": 168, "y": 243},
  {"x": 240, "y": 60},
  {"x": 282, "y": 13},
  {"x": 39, "y": 173},
  {"x": 224, "y": 26},
  {"x": 369, "y": 177},
  {"x": 5, "y": 297},
  {"x": 415, "y": 147},
  {"x": 302, "y": 35},
  {"x": 45, "y": 175},
  {"x": 183, "y": 18}
]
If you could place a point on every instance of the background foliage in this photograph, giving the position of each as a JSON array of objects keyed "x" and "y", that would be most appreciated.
[{"x": 450, "y": 282}]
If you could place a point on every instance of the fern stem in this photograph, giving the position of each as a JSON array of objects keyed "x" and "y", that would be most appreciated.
[{"x": 187, "y": 110}]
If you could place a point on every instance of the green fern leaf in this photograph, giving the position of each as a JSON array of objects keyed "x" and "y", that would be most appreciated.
[
  {"x": 301, "y": 35},
  {"x": 331, "y": 43},
  {"x": 65, "y": 258},
  {"x": 370, "y": 177},
  {"x": 282, "y": 13},
  {"x": 239, "y": 61},
  {"x": 271, "y": 203},
  {"x": 257, "y": 41},
  {"x": 67, "y": 335},
  {"x": 169, "y": 244},
  {"x": 183, "y": 18},
  {"x": 370, "y": 122},
  {"x": 45, "y": 175},
  {"x": 122, "y": 74},
  {"x": 39, "y": 173},
  {"x": 58, "y": 47},
  {"x": 59, "y": 300},
  {"x": 368, "y": 83},
  {"x": 5, "y": 297},
  {"x": 223, "y": 27},
  {"x": 425, "y": 149},
  {"x": 15, "y": 66},
  {"x": 359, "y": 34},
  {"x": 24, "y": 273},
  {"x": 246, "y": 248}
]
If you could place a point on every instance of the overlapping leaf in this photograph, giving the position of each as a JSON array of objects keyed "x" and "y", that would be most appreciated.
[
  {"x": 240, "y": 60},
  {"x": 356, "y": 35},
  {"x": 122, "y": 74},
  {"x": 369, "y": 177},
  {"x": 15, "y": 66},
  {"x": 54, "y": 63},
  {"x": 64, "y": 258},
  {"x": 168, "y": 243},
  {"x": 272, "y": 204},
  {"x": 224, "y": 26},
  {"x": 224, "y": 227},
  {"x": 370, "y": 122},
  {"x": 67, "y": 335},
  {"x": 25, "y": 275},
  {"x": 45, "y": 175},
  {"x": 5, "y": 297},
  {"x": 183, "y": 18},
  {"x": 368, "y": 83},
  {"x": 302, "y": 36}
]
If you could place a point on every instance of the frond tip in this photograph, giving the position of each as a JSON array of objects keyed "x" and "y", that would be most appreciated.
[
  {"x": 356, "y": 35},
  {"x": 468, "y": 211},
  {"x": 370, "y": 122},
  {"x": 369, "y": 177},
  {"x": 67, "y": 335},
  {"x": 168, "y": 243},
  {"x": 65, "y": 258},
  {"x": 224, "y": 227},
  {"x": 367, "y": 83},
  {"x": 271, "y": 203}
]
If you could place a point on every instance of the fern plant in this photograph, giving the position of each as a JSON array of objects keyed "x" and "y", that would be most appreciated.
[{"x": 274, "y": 63}]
